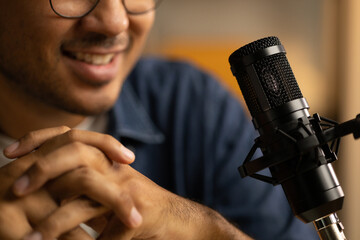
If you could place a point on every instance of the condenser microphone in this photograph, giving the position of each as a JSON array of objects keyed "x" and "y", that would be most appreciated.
[{"x": 293, "y": 143}]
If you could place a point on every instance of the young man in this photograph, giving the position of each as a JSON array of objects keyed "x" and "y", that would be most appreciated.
[{"x": 65, "y": 64}]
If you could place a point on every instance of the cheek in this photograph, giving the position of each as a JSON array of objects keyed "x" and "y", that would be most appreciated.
[
  {"x": 33, "y": 30},
  {"x": 139, "y": 29},
  {"x": 140, "y": 25}
]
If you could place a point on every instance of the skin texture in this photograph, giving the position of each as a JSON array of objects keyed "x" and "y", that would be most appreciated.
[
  {"x": 116, "y": 189},
  {"x": 34, "y": 68},
  {"x": 62, "y": 177},
  {"x": 20, "y": 214}
]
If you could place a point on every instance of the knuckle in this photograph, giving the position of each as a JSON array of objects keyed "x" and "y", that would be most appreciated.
[
  {"x": 85, "y": 154},
  {"x": 108, "y": 139},
  {"x": 95, "y": 152},
  {"x": 42, "y": 166},
  {"x": 73, "y": 135},
  {"x": 124, "y": 199},
  {"x": 85, "y": 178},
  {"x": 81, "y": 151},
  {"x": 78, "y": 147},
  {"x": 96, "y": 158},
  {"x": 51, "y": 226},
  {"x": 29, "y": 137},
  {"x": 99, "y": 158}
]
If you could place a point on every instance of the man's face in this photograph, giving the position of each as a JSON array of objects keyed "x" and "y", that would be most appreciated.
[{"x": 77, "y": 65}]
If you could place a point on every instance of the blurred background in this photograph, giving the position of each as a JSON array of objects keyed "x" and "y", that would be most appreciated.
[{"x": 322, "y": 39}]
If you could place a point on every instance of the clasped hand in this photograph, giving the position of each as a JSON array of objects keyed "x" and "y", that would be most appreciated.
[{"x": 63, "y": 177}]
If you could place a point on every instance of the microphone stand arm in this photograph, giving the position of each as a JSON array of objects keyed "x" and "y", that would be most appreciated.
[
  {"x": 329, "y": 227},
  {"x": 340, "y": 130}
]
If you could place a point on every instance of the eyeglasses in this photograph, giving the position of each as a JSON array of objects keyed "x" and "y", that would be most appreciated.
[{"x": 80, "y": 8}]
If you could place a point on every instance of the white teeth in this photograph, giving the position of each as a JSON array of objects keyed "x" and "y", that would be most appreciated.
[{"x": 96, "y": 59}]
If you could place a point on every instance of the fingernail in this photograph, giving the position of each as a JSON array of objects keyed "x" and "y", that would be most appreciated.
[
  {"x": 33, "y": 236},
  {"x": 12, "y": 148},
  {"x": 135, "y": 217},
  {"x": 128, "y": 154},
  {"x": 21, "y": 184}
]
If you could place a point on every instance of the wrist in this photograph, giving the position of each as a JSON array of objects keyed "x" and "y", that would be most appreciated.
[{"x": 191, "y": 220}]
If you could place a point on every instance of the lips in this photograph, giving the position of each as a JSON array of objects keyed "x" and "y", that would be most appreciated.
[
  {"x": 96, "y": 59},
  {"x": 90, "y": 58},
  {"x": 94, "y": 68}
]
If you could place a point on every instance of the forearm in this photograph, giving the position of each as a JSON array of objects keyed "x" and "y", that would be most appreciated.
[{"x": 195, "y": 221}]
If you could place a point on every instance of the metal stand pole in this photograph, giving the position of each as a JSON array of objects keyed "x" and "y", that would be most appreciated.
[{"x": 330, "y": 228}]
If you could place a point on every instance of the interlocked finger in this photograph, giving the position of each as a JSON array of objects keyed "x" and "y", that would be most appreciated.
[
  {"x": 63, "y": 219},
  {"x": 52, "y": 138},
  {"x": 33, "y": 140},
  {"x": 101, "y": 189},
  {"x": 62, "y": 160}
]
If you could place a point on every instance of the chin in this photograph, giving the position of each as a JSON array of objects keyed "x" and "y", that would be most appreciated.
[
  {"x": 88, "y": 111},
  {"x": 86, "y": 107},
  {"x": 95, "y": 102}
]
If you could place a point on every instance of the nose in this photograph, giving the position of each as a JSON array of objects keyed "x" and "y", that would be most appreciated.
[{"x": 109, "y": 18}]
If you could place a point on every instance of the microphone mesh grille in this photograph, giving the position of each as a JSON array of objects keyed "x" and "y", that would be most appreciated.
[
  {"x": 277, "y": 80},
  {"x": 257, "y": 45},
  {"x": 274, "y": 74}
]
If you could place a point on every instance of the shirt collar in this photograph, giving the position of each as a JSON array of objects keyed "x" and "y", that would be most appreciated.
[{"x": 129, "y": 119}]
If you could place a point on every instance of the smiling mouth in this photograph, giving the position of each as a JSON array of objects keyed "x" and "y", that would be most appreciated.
[{"x": 91, "y": 58}]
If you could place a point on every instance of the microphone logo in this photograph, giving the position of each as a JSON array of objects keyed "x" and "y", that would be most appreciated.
[{"x": 270, "y": 82}]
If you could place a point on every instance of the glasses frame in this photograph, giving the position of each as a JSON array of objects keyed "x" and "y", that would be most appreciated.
[{"x": 97, "y": 2}]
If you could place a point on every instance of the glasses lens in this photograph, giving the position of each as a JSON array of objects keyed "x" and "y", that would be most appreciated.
[
  {"x": 140, "y": 6},
  {"x": 73, "y": 8}
]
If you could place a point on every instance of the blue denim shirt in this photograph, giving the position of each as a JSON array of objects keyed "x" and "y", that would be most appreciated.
[{"x": 189, "y": 136}]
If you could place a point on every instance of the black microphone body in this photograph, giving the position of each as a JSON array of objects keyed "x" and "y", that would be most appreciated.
[{"x": 291, "y": 141}]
